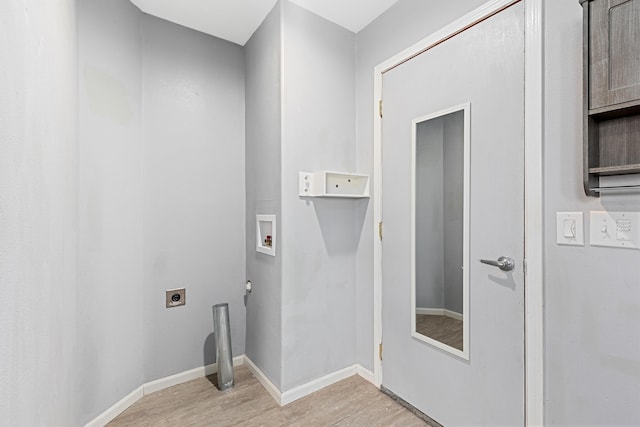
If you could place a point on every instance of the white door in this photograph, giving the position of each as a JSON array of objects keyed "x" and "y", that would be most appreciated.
[{"x": 445, "y": 206}]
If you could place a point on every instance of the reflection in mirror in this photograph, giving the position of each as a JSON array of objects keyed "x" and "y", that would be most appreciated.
[{"x": 440, "y": 171}]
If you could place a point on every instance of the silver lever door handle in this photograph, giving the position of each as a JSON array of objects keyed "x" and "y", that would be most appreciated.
[{"x": 503, "y": 263}]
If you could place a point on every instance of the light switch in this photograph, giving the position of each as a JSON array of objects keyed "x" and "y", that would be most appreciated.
[
  {"x": 570, "y": 228},
  {"x": 616, "y": 229}
]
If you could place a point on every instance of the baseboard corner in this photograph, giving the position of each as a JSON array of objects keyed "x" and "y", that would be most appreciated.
[
  {"x": 317, "y": 384},
  {"x": 365, "y": 374},
  {"x": 157, "y": 385},
  {"x": 262, "y": 379}
]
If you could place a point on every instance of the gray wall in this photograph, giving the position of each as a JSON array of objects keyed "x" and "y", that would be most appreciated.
[
  {"x": 405, "y": 23},
  {"x": 38, "y": 213},
  {"x": 193, "y": 193},
  {"x": 430, "y": 260},
  {"x": 592, "y": 295},
  {"x": 263, "y": 166},
  {"x": 300, "y": 116},
  {"x": 319, "y": 237},
  {"x": 161, "y": 198},
  {"x": 110, "y": 203}
]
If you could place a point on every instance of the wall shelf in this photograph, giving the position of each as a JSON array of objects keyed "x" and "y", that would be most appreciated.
[
  {"x": 266, "y": 234},
  {"x": 333, "y": 184}
]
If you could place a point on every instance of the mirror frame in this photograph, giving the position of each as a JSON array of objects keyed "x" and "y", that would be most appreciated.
[{"x": 466, "y": 108}]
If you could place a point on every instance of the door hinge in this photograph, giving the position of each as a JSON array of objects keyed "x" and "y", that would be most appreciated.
[
  {"x": 380, "y": 107},
  {"x": 380, "y": 229},
  {"x": 380, "y": 351},
  {"x": 524, "y": 266}
]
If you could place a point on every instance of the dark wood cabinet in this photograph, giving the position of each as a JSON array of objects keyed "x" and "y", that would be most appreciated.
[{"x": 611, "y": 90}]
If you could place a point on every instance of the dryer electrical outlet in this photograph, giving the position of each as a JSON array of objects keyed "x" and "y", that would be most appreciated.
[
  {"x": 615, "y": 229},
  {"x": 175, "y": 297}
]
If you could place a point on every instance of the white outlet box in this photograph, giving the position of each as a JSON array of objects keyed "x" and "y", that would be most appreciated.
[
  {"x": 570, "y": 228},
  {"x": 266, "y": 235},
  {"x": 615, "y": 229}
]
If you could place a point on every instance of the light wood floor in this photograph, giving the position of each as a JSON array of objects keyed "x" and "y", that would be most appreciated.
[
  {"x": 442, "y": 328},
  {"x": 351, "y": 402}
]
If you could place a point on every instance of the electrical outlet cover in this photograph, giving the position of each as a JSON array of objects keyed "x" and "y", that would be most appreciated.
[{"x": 615, "y": 229}]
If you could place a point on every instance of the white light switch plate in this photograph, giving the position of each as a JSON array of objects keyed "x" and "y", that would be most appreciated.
[
  {"x": 570, "y": 228},
  {"x": 616, "y": 229}
]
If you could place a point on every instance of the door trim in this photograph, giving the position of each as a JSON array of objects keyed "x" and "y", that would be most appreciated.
[{"x": 534, "y": 77}]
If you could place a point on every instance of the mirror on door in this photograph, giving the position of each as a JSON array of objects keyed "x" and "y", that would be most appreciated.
[{"x": 440, "y": 223}]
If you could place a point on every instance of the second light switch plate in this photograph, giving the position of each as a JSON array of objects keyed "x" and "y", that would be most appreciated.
[
  {"x": 616, "y": 229},
  {"x": 570, "y": 228}
]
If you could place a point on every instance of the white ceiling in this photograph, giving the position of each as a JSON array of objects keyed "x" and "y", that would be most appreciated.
[{"x": 236, "y": 20}]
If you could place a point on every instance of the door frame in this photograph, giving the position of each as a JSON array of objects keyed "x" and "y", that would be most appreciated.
[{"x": 533, "y": 190}]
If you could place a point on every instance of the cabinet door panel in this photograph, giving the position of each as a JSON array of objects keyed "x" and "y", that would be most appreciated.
[{"x": 614, "y": 59}]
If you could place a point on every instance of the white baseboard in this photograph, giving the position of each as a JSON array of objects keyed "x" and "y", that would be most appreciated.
[
  {"x": 317, "y": 384},
  {"x": 366, "y": 374},
  {"x": 284, "y": 398},
  {"x": 262, "y": 379},
  {"x": 430, "y": 311},
  {"x": 439, "y": 312},
  {"x": 183, "y": 377},
  {"x": 280, "y": 397},
  {"x": 118, "y": 408},
  {"x": 453, "y": 314},
  {"x": 154, "y": 386}
]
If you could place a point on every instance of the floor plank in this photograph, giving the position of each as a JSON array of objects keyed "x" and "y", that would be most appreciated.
[
  {"x": 441, "y": 328},
  {"x": 350, "y": 402}
]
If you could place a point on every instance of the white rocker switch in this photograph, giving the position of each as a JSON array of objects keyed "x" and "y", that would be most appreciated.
[{"x": 570, "y": 228}]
